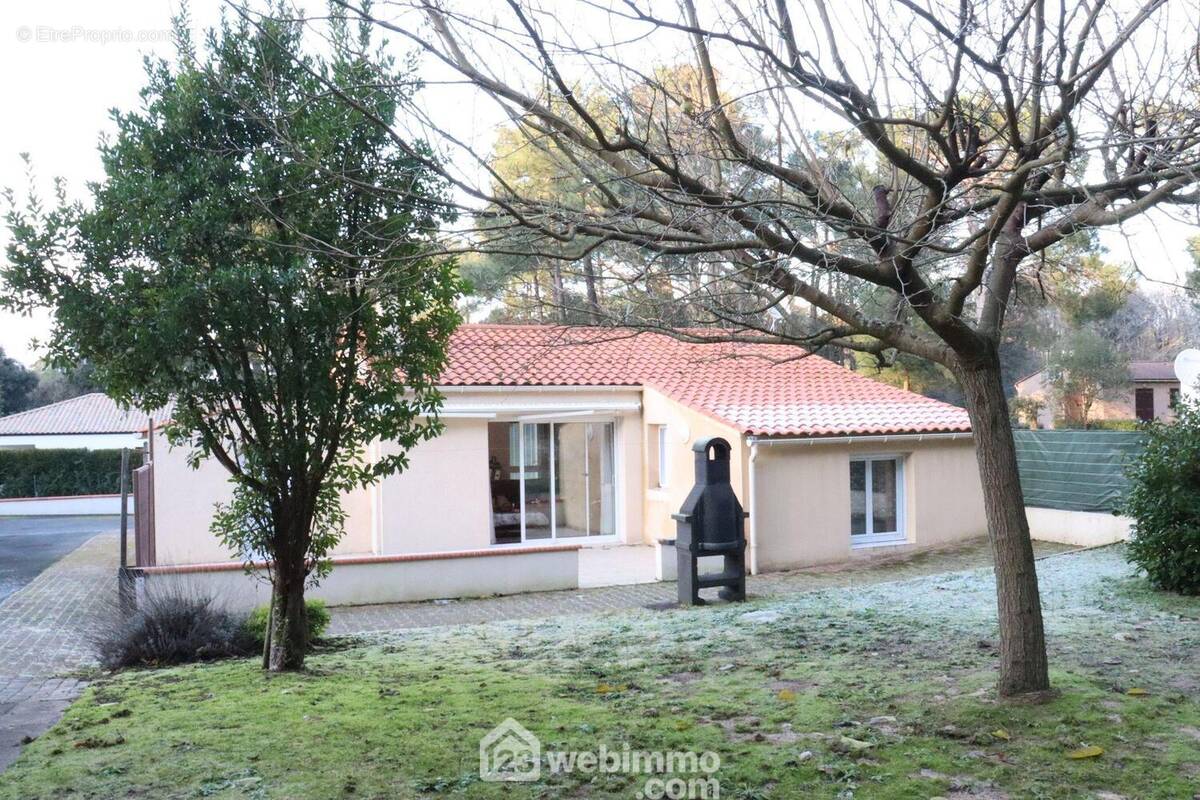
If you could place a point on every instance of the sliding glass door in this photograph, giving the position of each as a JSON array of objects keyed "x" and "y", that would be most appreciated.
[
  {"x": 551, "y": 480},
  {"x": 535, "y": 455},
  {"x": 583, "y": 479}
]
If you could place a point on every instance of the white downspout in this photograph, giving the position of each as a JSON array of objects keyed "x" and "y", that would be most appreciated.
[{"x": 753, "y": 512}]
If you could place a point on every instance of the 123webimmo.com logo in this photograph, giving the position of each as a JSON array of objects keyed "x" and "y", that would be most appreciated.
[{"x": 510, "y": 752}]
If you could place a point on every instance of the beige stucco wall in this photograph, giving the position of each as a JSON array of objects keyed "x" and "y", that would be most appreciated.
[
  {"x": 684, "y": 427},
  {"x": 441, "y": 502},
  {"x": 803, "y": 498},
  {"x": 184, "y": 500}
]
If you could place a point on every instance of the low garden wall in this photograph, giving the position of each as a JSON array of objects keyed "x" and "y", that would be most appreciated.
[
  {"x": 366, "y": 580},
  {"x": 83, "y": 506},
  {"x": 1079, "y": 528}
]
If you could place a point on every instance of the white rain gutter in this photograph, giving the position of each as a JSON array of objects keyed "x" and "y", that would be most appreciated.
[
  {"x": 546, "y": 409},
  {"x": 490, "y": 389},
  {"x": 875, "y": 439}
]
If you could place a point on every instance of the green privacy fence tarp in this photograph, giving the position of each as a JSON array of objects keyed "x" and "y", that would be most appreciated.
[{"x": 1075, "y": 470}]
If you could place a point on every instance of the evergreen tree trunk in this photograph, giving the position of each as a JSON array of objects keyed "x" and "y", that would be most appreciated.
[
  {"x": 266, "y": 653},
  {"x": 289, "y": 621},
  {"x": 1023, "y": 667},
  {"x": 289, "y": 615}
]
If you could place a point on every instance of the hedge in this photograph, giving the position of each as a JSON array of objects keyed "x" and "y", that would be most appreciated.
[
  {"x": 1100, "y": 425},
  {"x": 62, "y": 473}
]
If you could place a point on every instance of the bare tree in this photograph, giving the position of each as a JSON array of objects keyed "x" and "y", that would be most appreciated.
[{"x": 912, "y": 163}]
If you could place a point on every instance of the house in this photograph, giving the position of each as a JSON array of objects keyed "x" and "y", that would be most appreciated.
[
  {"x": 567, "y": 449},
  {"x": 88, "y": 422},
  {"x": 91, "y": 421},
  {"x": 1152, "y": 392}
]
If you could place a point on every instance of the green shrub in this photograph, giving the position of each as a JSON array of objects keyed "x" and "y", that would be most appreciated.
[
  {"x": 318, "y": 620},
  {"x": 1164, "y": 501},
  {"x": 1064, "y": 424},
  {"x": 62, "y": 473},
  {"x": 1116, "y": 425}
]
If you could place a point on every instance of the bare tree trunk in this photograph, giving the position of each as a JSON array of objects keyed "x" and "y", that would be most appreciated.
[
  {"x": 1023, "y": 667},
  {"x": 589, "y": 279}
]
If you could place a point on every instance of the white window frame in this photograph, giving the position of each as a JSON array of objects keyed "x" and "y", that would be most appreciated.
[
  {"x": 515, "y": 445},
  {"x": 871, "y": 538},
  {"x": 664, "y": 472}
]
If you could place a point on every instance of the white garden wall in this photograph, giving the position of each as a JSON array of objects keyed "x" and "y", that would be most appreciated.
[
  {"x": 84, "y": 506},
  {"x": 392, "y": 579},
  {"x": 1081, "y": 528}
]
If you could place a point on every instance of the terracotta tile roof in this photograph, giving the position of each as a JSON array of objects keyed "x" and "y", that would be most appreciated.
[
  {"x": 1152, "y": 371},
  {"x": 758, "y": 389},
  {"x": 89, "y": 413}
]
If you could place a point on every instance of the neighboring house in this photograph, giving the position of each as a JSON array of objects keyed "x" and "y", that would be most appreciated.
[
  {"x": 558, "y": 441},
  {"x": 90, "y": 421},
  {"x": 1151, "y": 393}
]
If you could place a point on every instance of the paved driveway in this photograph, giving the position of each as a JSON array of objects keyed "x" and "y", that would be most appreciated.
[
  {"x": 30, "y": 544},
  {"x": 57, "y": 574}
]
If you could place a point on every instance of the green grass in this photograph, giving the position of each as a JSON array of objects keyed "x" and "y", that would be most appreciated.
[{"x": 775, "y": 699}]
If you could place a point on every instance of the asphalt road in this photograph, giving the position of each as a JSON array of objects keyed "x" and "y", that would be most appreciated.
[{"x": 30, "y": 544}]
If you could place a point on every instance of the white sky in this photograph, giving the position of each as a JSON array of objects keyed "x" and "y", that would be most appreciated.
[
  {"x": 62, "y": 77},
  {"x": 58, "y": 95}
]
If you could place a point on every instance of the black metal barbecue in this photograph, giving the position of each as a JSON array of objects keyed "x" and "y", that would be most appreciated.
[{"x": 711, "y": 523}]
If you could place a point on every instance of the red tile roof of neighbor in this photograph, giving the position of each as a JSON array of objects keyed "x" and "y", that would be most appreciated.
[
  {"x": 89, "y": 413},
  {"x": 758, "y": 389}
]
